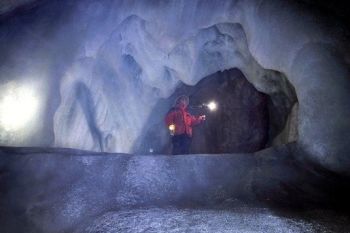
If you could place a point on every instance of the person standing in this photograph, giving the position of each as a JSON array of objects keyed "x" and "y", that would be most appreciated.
[{"x": 180, "y": 122}]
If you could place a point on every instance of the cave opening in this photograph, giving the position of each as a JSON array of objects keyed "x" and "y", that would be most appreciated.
[{"x": 245, "y": 121}]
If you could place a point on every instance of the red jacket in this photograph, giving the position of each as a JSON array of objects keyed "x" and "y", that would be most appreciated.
[{"x": 182, "y": 120}]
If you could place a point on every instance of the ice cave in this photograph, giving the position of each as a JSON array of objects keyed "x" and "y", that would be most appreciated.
[{"x": 85, "y": 86}]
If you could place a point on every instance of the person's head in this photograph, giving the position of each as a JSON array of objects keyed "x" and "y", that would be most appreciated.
[{"x": 182, "y": 101}]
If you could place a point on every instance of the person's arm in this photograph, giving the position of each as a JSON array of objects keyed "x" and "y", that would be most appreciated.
[{"x": 195, "y": 120}]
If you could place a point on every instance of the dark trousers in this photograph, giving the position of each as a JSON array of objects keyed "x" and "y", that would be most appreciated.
[{"x": 181, "y": 144}]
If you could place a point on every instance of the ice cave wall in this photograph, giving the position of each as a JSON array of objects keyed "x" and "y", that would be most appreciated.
[
  {"x": 7, "y": 6},
  {"x": 98, "y": 68}
]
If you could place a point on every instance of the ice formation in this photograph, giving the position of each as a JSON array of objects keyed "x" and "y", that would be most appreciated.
[{"x": 102, "y": 67}]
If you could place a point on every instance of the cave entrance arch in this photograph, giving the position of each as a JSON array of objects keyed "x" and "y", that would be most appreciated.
[{"x": 246, "y": 120}]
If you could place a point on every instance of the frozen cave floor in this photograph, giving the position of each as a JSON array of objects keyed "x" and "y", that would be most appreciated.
[
  {"x": 46, "y": 190},
  {"x": 237, "y": 219}
]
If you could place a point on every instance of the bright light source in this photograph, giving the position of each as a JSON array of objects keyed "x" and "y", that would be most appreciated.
[
  {"x": 171, "y": 127},
  {"x": 212, "y": 106},
  {"x": 151, "y": 150},
  {"x": 17, "y": 107}
]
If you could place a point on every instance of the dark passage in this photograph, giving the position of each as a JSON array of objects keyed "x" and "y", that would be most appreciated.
[{"x": 240, "y": 123}]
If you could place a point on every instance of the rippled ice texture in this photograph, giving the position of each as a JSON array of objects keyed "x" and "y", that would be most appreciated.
[{"x": 199, "y": 220}]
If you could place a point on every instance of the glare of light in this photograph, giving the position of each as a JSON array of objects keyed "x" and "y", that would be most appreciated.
[
  {"x": 171, "y": 127},
  {"x": 18, "y": 107},
  {"x": 151, "y": 150},
  {"x": 212, "y": 106}
]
